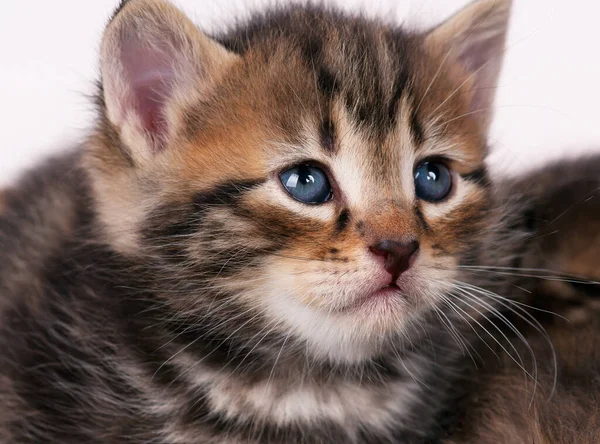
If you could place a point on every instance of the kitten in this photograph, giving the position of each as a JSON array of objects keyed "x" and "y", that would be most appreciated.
[
  {"x": 261, "y": 237},
  {"x": 561, "y": 259}
]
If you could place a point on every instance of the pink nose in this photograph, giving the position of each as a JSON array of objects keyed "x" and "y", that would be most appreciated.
[{"x": 396, "y": 255}]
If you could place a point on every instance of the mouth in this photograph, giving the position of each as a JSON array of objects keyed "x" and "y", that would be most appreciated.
[
  {"x": 386, "y": 298},
  {"x": 387, "y": 291}
]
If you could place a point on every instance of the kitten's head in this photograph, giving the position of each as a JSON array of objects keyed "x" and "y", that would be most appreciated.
[{"x": 315, "y": 174}]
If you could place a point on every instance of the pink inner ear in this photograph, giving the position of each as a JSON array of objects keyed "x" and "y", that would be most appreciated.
[
  {"x": 477, "y": 54},
  {"x": 480, "y": 61},
  {"x": 149, "y": 105},
  {"x": 149, "y": 74}
]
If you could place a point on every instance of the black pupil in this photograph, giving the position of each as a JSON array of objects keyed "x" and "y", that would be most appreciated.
[
  {"x": 305, "y": 176},
  {"x": 433, "y": 172}
]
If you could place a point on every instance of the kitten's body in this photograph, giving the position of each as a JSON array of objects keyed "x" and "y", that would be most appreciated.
[
  {"x": 560, "y": 269},
  {"x": 159, "y": 285},
  {"x": 90, "y": 354}
]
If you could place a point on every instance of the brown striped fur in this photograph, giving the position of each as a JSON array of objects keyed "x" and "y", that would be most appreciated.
[
  {"x": 159, "y": 284},
  {"x": 306, "y": 66}
]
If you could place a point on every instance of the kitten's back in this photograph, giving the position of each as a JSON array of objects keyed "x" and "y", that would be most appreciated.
[{"x": 508, "y": 406}]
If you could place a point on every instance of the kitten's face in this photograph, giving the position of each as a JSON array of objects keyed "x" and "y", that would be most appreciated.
[{"x": 326, "y": 187}]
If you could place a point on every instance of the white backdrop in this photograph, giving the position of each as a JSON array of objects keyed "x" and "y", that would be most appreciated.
[{"x": 546, "y": 107}]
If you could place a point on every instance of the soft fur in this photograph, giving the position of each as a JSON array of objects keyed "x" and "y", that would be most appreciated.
[
  {"x": 159, "y": 285},
  {"x": 559, "y": 268}
]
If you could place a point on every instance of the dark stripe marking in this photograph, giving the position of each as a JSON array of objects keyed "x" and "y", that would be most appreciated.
[
  {"x": 479, "y": 176},
  {"x": 416, "y": 130},
  {"x": 327, "y": 83},
  {"x": 328, "y": 135},
  {"x": 421, "y": 218},
  {"x": 342, "y": 221},
  {"x": 590, "y": 290},
  {"x": 225, "y": 193},
  {"x": 176, "y": 220}
]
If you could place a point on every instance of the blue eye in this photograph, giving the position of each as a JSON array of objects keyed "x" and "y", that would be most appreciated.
[
  {"x": 307, "y": 184},
  {"x": 433, "y": 181}
]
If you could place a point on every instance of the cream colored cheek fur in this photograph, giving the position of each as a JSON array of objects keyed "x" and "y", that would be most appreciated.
[{"x": 301, "y": 300}]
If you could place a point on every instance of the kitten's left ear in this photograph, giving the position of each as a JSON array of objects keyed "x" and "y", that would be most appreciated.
[{"x": 475, "y": 36}]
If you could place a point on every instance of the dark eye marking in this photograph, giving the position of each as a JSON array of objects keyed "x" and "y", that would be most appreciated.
[
  {"x": 342, "y": 221},
  {"x": 421, "y": 218},
  {"x": 334, "y": 250},
  {"x": 479, "y": 176},
  {"x": 225, "y": 193}
]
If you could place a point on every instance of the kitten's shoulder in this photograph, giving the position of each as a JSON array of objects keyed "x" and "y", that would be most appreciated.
[
  {"x": 38, "y": 214},
  {"x": 42, "y": 311}
]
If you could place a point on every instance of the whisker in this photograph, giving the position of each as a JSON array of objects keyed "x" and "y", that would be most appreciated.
[
  {"x": 272, "y": 374},
  {"x": 504, "y": 320},
  {"x": 450, "y": 304},
  {"x": 527, "y": 272},
  {"x": 492, "y": 336},
  {"x": 461, "y": 341},
  {"x": 434, "y": 77},
  {"x": 572, "y": 207},
  {"x": 526, "y": 317},
  {"x": 484, "y": 65},
  {"x": 404, "y": 366}
]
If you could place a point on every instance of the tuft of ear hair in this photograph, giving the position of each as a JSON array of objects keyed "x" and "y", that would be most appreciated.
[
  {"x": 154, "y": 60},
  {"x": 475, "y": 37}
]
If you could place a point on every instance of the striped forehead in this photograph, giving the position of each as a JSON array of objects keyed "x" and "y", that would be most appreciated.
[
  {"x": 364, "y": 63},
  {"x": 364, "y": 170},
  {"x": 370, "y": 131},
  {"x": 358, "y": 89},
  {"x": 368, "y": 171},
  {"x": 367, "y": 129},
  {"x": 374, "y": 131},
  {"x": 366, "y": 70}
]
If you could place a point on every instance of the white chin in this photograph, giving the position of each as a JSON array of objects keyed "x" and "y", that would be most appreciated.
[{"x": 349, "y": 337}]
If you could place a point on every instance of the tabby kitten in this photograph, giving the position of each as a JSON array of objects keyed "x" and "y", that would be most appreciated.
[
  {"x": 259, "y": 239},
  {"x": 559, "y": 267}
]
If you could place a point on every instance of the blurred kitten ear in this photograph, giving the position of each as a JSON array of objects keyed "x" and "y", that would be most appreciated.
[
  {"x": 476, "y": 36},
  {"x": 153, "y": 61}
]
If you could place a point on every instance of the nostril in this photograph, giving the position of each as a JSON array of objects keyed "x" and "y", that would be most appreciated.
[
  {"x": 411, "y": 248},
  {"x": 377, "y": 251},
  {"x": 397, "y": 255}
]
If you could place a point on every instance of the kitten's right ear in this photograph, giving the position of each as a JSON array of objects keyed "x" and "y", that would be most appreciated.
[
  {"x": 476, "y": 36},
  {"x": 154, "y": 60}
]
